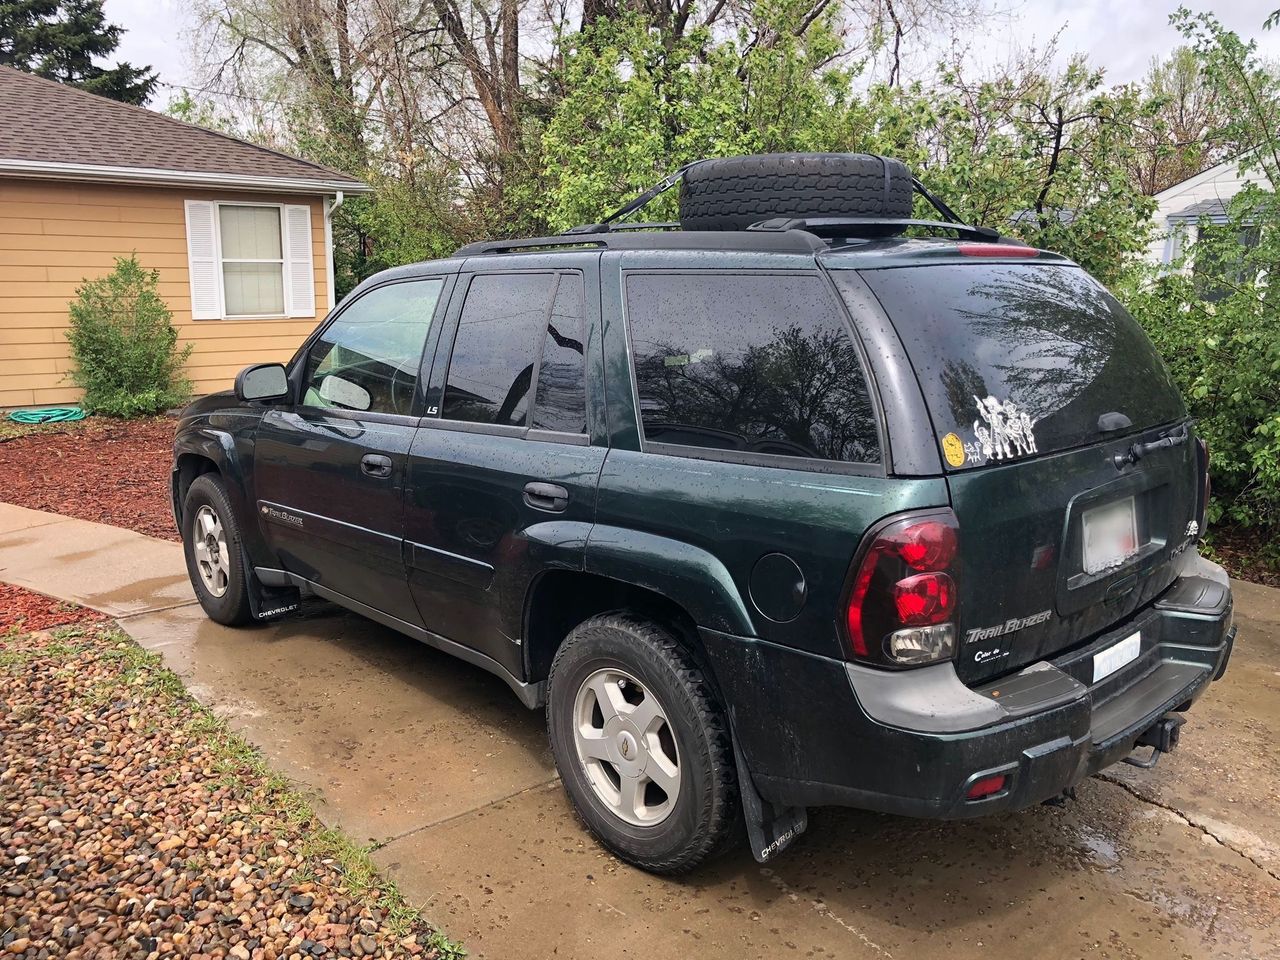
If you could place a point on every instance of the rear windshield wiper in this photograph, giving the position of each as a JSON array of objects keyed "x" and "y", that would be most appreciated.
[{"x": 1139, "y": 450}]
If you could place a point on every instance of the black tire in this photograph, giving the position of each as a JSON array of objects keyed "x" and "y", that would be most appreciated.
[
  {"x": 735, "y": 192},
  {"x": 232, "y": 608},
  {"x": 707, "y": 810}
]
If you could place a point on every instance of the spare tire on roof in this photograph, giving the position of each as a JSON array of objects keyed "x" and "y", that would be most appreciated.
[{"x": 734, "y": 192}]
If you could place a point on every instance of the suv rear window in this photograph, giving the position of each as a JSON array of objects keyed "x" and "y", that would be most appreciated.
[
  {"x": 1020, "y": 359},
  {"x": 749, "y": 364}
]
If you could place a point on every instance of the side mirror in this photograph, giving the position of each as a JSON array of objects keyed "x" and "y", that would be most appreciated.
[{"x": 262, "y": 381}]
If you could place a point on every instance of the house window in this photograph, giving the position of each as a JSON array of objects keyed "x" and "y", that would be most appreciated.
[{"x": 252, "y": 260}]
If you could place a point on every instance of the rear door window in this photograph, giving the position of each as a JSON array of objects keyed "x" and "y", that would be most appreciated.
[
  {"x": 749, "y": 365},
  {"x": 1022, "y": 359},
  {"x": 490, "y": 377},
  {"x": 561, "y": 400}
]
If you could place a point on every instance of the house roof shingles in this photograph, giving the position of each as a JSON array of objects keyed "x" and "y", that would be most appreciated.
[{"x": 46, "y": 122}]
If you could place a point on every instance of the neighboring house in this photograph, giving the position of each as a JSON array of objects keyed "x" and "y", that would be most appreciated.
[
  {"x": 1182, "y": 209},
  {"x": 239, "y": 234}
]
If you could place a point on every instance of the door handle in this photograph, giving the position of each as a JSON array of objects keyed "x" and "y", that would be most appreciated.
[
  {"x": 546, "y": 496},
  {"x": 375, "y": 465}
]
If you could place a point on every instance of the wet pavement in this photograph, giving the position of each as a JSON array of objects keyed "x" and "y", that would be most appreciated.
[{"x": 438, "y": 764}]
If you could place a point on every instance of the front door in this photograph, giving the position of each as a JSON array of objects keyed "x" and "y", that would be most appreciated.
[
  {"x": 329, "y": 471},
  {"x": 502, "y": 482}
]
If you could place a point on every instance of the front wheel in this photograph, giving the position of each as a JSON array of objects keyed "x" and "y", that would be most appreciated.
[
  {"x": 641, "y": 744},
  {"x": 215, "y": 560}
]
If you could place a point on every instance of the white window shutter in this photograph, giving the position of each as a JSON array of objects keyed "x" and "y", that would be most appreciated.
[
  {"x": 301, "y": 293},
  {"x": 202, "y": 260}
]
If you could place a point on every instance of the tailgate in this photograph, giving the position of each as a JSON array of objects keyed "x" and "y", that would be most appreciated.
[{"x": 1025, "y": 592}]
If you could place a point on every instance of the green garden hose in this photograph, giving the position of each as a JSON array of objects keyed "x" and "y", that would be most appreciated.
[{"x": 48, "y": 415}]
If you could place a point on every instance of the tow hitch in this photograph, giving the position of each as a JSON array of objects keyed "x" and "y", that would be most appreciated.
[{"x": 1161, "y": 737}]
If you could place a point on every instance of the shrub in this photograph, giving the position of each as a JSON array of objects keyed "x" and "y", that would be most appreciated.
[{"x": 125, "y": 346}]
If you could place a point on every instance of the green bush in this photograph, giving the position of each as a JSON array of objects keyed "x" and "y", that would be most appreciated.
[{"x": 125, "y": 346}]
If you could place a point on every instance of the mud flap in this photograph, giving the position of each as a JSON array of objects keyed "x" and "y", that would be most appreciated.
[
  {"x": 770, "y": 828},
  {"x": 266, "y": 602}
]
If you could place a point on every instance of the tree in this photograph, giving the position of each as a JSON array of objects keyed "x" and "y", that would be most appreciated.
[
  {"x": 636, "y": 105},
  {"x": 1217, "y": 320},
  {"x": 61, "y": 39},
  {"x": 1039, "y": 153},
  {"x": 1174, "y": 142}
]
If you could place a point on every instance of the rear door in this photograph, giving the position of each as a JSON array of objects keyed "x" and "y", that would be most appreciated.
[
  {"x": 1041, "y": 388},
  {"x": 502, "y": 474},
  {"x": 329, "y": 470}
]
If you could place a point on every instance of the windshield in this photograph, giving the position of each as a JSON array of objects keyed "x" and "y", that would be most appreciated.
[{"x": 1021, "y": 359}]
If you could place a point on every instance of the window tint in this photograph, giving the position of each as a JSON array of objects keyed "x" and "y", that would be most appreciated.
[
  {"x": 368, "y": 358},
  {"x": 1017, "y": 359},
  {"x": 491, "y": 370},
  {"x": 561, "y": 402},
  {"x": 754, "y": 363}
]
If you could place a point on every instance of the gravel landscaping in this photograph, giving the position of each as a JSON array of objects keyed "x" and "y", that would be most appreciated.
[
  {"x": 134, "y": 824},
  {"x": 100, "y": 469}
]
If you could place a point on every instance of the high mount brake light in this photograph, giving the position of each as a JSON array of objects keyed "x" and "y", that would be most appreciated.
[
  {"x": 996, "y": 250},
  {"x": 901, "y": 605}
]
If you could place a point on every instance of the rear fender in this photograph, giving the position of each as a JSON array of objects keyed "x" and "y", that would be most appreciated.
[{"x": 686, "y": 575}]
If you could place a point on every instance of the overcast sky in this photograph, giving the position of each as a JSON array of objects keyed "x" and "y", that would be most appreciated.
[{"x": 1120, "y": 35}]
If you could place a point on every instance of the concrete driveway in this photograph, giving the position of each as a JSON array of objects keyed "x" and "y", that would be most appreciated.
[{"x": 437, "y": 764}]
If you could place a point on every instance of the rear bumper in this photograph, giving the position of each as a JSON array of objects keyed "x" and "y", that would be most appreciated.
[{"x": 817, "y": 731}]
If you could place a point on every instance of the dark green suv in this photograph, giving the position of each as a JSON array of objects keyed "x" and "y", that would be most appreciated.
[{"x": 774, "y": 508}]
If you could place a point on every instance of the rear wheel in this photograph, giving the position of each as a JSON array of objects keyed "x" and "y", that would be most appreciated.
[
  {"x": 641, "y": 744},
  {"x": 215, "y": 560}
]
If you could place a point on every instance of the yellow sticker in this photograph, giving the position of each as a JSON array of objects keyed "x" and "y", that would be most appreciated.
[{"x": 953, "y": 450}]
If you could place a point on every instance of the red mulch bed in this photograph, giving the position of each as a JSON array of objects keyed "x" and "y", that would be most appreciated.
[
  {"x": 1241, "y": 552},
  {"x": 27, "y": 610},
  {"x": 109, "y": 471}
]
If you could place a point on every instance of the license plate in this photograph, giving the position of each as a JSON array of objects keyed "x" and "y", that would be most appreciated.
[
  {"x": 1116, "y": 656},
  {"x": 1110, "y": 535}
]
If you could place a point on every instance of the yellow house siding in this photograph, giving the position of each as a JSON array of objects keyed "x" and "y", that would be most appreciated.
[{"x": 55, "y": 235}]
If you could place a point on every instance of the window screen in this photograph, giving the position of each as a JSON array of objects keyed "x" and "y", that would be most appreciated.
[
  {"x": 368, "y": 358},
  {"x": 561, "y": 402},
  {"x": 491, "y": 370},
  {"x": 252, "y": 260},
  {"x": 755, "y": 363}
]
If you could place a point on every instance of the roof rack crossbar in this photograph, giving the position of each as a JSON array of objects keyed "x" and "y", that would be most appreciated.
[{"x": 831, "y": 227}]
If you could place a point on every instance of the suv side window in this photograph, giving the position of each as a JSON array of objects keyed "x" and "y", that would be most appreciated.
[
  {"x": 367, "y": 359},
  {"x": 561, "y": 402},
  {"x": 751, "y": 363},
  {"x": 491, "y": 368}
]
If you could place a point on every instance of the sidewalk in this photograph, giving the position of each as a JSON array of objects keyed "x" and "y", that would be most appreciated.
[
  {"x": 107, "y": 568},
  {"x": 436, "y": 764}
]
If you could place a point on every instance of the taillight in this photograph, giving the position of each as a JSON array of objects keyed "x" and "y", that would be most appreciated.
[
  {"x": 1206, "y": 488},
  {"x": 900, "y": 610}
]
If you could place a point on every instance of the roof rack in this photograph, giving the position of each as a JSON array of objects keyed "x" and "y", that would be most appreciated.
[
  {"x": 799, "y": 234},
  {"x": 645, "y": 237}
]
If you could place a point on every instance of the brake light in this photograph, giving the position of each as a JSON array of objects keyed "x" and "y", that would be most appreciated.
[
  {"x": 901, "y": 606},
  {"x": 996, "y": 250},
  {"x": 925, "y": 599}
]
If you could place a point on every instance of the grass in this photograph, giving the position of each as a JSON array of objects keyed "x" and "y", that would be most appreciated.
[{"x": 241, "y": 766}]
